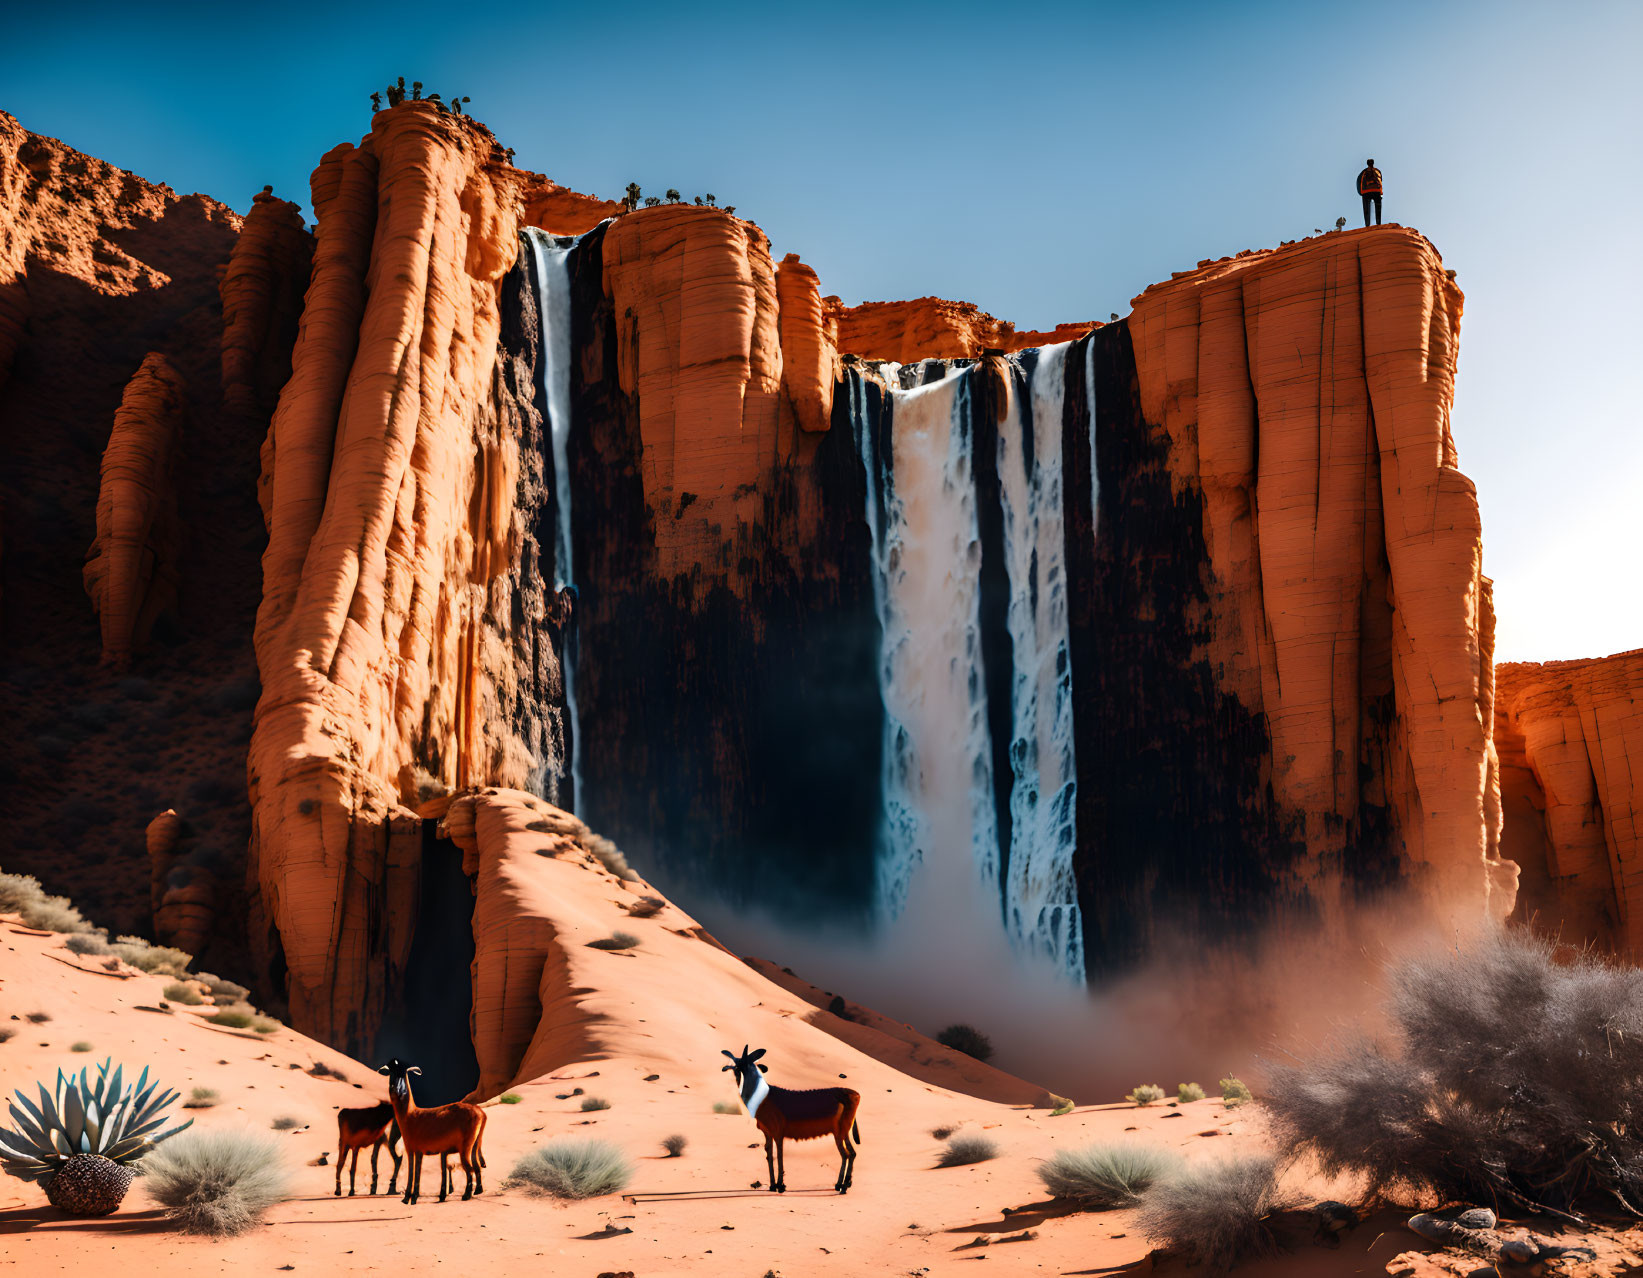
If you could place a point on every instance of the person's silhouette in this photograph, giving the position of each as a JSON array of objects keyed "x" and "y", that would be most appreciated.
[{"x": 1369, "y": 186}]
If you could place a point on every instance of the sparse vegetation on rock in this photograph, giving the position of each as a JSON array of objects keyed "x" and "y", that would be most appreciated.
[
  {"x": 675, "y": 1145},
  {"x": 571, "y": 1169},
  {"x": 509, "y": 1098},
  {"x": 615, "y": 941},
  {"x": 1145, "y": 1094},
  {"x": 726, "y": 1107},
  {"x": 286, "y": 1123},
  {"x": 81, "y": 1046},
  {"x": 591, "y": 1103},
  {"x": 1186, "y": 1093},
  {"x": 1233, "y": 1092},
  {"x": 87, "y": 943},
  {"x": 187, "y": 995},
  {"x": 217, "y": 1182},
  {"x": 201, "y": 1098}
]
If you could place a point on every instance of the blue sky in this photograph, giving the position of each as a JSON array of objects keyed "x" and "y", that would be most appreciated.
[{"x": 1046, "y": 163}]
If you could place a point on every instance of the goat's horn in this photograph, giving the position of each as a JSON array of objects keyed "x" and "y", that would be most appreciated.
[
  {"x": 413, "y": 1070},
  {"x": 732, "y": 1055}
]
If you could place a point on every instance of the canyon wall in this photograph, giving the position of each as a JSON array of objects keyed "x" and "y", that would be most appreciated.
[
  {"x": 115, "y": 436},
  {"x": 1570, "y": 737}
]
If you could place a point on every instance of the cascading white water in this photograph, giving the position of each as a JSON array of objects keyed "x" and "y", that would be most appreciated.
[
  {"x": 941, "y": 853},
  {"x": 1040, "y": 894},
  {"x": 552, "y": 256}
]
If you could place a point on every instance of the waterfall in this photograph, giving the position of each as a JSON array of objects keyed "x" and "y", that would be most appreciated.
[
  {"x": 944, "y": 844},
  {"x": 552, "y": 257}
]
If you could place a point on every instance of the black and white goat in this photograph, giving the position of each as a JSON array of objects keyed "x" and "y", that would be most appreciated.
[{"x": 784, "y": 1114}]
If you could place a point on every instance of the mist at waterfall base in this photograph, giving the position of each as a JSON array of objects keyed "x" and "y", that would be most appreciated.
[{"x": 1194, "y": 1012}]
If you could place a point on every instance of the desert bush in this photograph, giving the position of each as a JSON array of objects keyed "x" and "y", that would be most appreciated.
[
  {"x": 1145, "y": 1094},
  {"x": 87, "y": 943},
  {"x": 264, "y": 1024},
  {"x": 223, "y": 991},
  {"x": 571, "y": 1169},
  {"x": 158, "y": 960},
  {"x": 1514, "y": 1079},
  {"x": 231, "y": 1019},
  {"x": 591, "y": 1103},
  {"x": 967, "y": 1039},
  {"x": 37, "y": 1018},
  {"x": 675, "y": 1145},
  {"x": 18, "y": 890},
  {"x": 1061, "y": 1105},
  {"x": 726, "y": 1107},
  {"x": 81, "y": 1046},
  {"x": 201, "y": 1098},
  {"x": 1214, "y": 1214},
  {"x": 646, "y": 907},
  {"x": 610, "y": 856},
  {"x": 187, "y": 995},
  {"x": 1233, "y": 1092},
  {"x": 509, "y": 1098},
  {"x": 53, "y": 914},
  {"x": 615, "y": 941},
  {"x": 216, "y": 1182},
  {"x": 1112, "y": 1175},
  {"x": 944, "y": 1131},
  {"x": 6, "y": 1032},
  {"x": 1186, "y": 1093},
  {"x": 961, "y": 1151},
  {"x": 286, "y": 1123}
]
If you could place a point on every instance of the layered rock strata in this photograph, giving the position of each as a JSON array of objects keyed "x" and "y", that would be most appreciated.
[
  {"x": 1570, "y": 737},
  {"x": 262, "y": 292}
]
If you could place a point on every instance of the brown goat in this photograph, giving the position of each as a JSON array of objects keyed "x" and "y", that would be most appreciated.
[
  {"x": 371, "y": 1126},
  {"x": 457, "y": 1128},
  {"x": 785, "y": 1114}
]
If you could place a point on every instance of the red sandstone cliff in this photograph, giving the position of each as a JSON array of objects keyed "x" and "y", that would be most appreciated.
[
  {"x": 1305, "y": 392},
  {"x": 101, "y": 270},
  {"x": 932, "y": 328},
  {"x": 1570, "y": 736},
  {"x": 261, "y": 299}
]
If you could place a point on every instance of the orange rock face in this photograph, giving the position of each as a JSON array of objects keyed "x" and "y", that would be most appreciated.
[
  {"x": 131, "y": 570},
  {"x": 390, "y": 494},
  {"x": 932, "y": 328},
  {"x": 809, "y": 339},
  {"x": 261, "y": 300},
  {"x": 1305, "y": 392},
  {"x": 559, "y": 210},
  {"x": 1570, "y": 736}
]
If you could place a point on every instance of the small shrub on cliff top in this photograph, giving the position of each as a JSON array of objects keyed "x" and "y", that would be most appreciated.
[
  {"x": 54, "y": 914},
  {"x": 18, "y": 890},
  {"x": 1189, "y": 1092},
  {"x": 675, "y": 1145},
  {"x": 87, "y": 943},
  {"x": 509, "y": 1098},
  {"x": 231, "y": 1019},
  {"x": 591, "y": 1103},
  {"x": 222, "y": 991},
  {"x": 967, "y": 1039},
  {"x": 1146, "y": 1094},
  {"x": 201, "y": 1098},
  {"x": 187, "y": 995},
  {"x": 646, "y": 907},
  {"x": 81, "y": 1046},
  {"x": 1234, "y": 1092},
  {"x": 615, "y": 941},
  {"x": 725, "y": 1107},
  {"x": 610, "y": 856}
]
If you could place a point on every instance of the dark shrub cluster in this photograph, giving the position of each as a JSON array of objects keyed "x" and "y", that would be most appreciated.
[{"x": 1516, "y": 1081}]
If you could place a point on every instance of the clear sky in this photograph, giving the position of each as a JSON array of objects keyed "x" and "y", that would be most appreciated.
[{"x": 1046, "y": 162}]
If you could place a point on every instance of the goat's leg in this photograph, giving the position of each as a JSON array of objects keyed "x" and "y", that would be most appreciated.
[
  {"x": 353, "y": 1168},
  {"x": 376, "y": 1148},
  {"x": 444, "y": 1174},
  {"x": 781, "y": 1168},
  {"x": 840, "y": 1184},
  {"x": 413, "y": 1162},
  {"x": 770, "y": 1160},
  {"x": 466, "y": 1157},
  {"x": 342, "y": 1152},
  {"x": 850, "y": 1168},
  {"x": 393, "y": 1148}
]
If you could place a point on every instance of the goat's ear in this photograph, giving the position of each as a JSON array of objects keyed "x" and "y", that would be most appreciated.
[
  {"x": 412, "y": 1069},
  {"x": 764, "y": 1069},
  {"x": 755, "y": 1055}
]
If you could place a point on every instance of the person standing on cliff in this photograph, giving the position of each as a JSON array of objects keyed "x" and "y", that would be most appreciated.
[{"x": 1369, "y": 186}]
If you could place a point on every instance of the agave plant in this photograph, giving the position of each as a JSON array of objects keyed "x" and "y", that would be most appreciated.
[{"x": 83, "y": 1139}]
